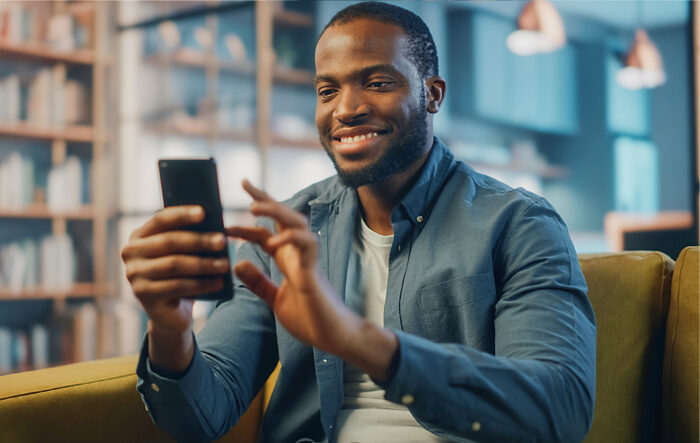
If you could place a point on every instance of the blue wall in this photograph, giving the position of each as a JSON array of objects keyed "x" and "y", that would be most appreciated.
[
  {"x": 586, "y": 195},
  {"x": 671, "y": 120}
]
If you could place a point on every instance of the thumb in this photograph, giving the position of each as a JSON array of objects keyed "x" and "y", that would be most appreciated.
[{"x": 256, "y": 281}]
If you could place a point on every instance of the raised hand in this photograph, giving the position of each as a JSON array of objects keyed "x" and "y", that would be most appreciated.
[{"x": 305, "y": 303}]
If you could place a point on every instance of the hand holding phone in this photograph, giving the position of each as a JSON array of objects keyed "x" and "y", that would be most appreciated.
[{"x": 195, "y": 182}]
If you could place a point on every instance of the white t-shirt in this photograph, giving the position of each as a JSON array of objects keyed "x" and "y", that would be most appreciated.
[{"x": 366, "y": 416}]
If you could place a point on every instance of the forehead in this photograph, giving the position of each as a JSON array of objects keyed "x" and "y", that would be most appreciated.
[{"x": 362, "y": 42}]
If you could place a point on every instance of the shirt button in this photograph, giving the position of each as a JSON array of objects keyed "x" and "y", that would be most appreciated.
[
  {"x": 407, "y": 399},
  {"x": 419, "y": 219},
  {"x": 476, "y": 426},
  {"x": 146, "y": 408},
  {"x": 319, "y": 232},
  {"x": 155, "y": 387},
  {"x": 399, "y": 248},
  {"x": 325, "y": 360}
]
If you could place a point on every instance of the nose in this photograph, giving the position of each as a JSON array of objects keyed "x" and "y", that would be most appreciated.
[{"x": 350, "y": 106}]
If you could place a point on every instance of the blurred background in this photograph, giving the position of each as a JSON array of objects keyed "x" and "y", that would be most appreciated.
[{"x": 589, "y": 104}]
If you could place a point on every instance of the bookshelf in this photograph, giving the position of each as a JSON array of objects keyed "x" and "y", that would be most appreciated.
[
  {"x": 54, "y": 68},
  {"x": 223, "y": 80}
]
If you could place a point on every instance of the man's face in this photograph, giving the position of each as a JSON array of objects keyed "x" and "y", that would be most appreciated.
[{"x": 370, "y": 101}]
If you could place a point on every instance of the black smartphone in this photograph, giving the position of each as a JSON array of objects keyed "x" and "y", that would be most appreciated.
[{"x": 195, "y": 182}]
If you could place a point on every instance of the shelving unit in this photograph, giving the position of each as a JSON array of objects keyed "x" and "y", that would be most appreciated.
[
  {"x": 206, "y": 97},
  {"x": 88, "y": 224}
]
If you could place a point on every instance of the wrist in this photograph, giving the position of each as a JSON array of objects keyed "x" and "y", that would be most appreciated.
[
  {"x": 169, "y": 350},
  {"x": 374, "y": 350}
]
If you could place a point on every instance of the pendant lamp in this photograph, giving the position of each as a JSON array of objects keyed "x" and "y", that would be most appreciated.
[
  {"x": 540, "y": 29},
  {"x": 643, "y": 66}
]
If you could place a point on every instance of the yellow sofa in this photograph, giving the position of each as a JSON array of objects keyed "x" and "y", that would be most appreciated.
[{"x": 647, "y": 368}]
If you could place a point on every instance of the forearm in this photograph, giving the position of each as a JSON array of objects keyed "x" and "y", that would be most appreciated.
[
  {"x": 170, "y": 352},
  {"x": 461, "y": 393}
]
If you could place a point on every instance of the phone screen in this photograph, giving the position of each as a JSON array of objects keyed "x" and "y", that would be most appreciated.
[{"x": 195, "y": 182}]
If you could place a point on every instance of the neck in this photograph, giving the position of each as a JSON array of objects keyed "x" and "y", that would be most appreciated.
[{"x": 379, "y": 199}]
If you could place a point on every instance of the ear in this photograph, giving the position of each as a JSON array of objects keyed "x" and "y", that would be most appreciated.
[{"x": 435, "y": 93}]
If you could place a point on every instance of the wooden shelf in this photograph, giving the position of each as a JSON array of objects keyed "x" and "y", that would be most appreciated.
[
  {"x": 285, "y": 75},
  {"x": 304, "y": 143},
  {"x": 200, "y": 129},
  {"x": 187, "y": 59},
  {"x": 198, "y": 60},
  {"x": 43, "y": 212},
  {"x": 39, "y": 52},
  {"x": 78, "y": 290},
  {"x": 83, "y": 134},
  {"x": 292, "y": 18}
]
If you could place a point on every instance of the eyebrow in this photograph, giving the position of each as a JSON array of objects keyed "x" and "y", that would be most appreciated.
[{"x": 364, "y": 72}]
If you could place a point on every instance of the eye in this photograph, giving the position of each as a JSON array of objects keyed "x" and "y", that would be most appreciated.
[
  {"x": 325, "y": 92},
  {"x": 379, "y": 84}
]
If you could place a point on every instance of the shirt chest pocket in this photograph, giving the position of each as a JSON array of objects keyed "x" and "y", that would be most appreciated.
[{"x": 459, "y": 310}]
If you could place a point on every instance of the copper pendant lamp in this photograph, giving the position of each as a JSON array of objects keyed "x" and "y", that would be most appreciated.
[
  {"x": 540, "y": 29},
  {"x": 643, "y": 65}
]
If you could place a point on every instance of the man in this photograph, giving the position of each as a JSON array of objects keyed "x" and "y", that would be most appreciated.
[{"x": 408, "y": 298}]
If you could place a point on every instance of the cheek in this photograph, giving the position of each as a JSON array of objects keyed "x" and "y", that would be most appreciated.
[{"x": 321, "y": 117}]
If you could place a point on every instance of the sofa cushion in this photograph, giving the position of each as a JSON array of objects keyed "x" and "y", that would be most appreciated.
[
  {"x": 629, "y": 292},
  {"x": 681, "y": 375},
  {"x": 91, "y": 401}
]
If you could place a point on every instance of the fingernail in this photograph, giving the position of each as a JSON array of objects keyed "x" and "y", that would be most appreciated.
[
  {"x": 221, "y": 263},
  {"x": 217, "y": 239},
  {"x": 195, "y": 211}
]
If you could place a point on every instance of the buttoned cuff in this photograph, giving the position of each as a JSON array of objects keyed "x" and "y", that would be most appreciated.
[
  {"x": 158, "y": 388},
  {"x": 419, "y": 366}
]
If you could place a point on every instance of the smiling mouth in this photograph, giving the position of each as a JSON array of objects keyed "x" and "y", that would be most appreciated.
[{"x": 359, "y": 138}]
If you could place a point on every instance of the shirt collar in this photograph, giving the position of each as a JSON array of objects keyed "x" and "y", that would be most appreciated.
[{"x": 418, "y": 202}]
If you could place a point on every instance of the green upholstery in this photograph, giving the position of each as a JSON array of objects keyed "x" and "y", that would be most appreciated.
[
  {"x": 681, "y": 376},
  {"x": 630, "y": 293}
]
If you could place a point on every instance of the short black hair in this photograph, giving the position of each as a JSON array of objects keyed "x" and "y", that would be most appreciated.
[{"x": 423, "y": 52}]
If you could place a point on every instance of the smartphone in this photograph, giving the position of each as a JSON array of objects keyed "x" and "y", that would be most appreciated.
[{"x": 195, "y": 182}]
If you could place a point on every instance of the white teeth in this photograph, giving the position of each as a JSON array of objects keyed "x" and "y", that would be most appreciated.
[{"x": 358, "y": 138}]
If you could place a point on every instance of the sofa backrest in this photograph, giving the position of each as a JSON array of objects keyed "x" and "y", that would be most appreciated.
[
  {"x": 681, "y": 375},
  {"x": 629, "y": 292}
]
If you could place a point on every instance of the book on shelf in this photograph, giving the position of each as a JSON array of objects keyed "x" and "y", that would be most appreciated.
[
  {"x": 34, "y": 23},
  {"x": 64, "y": 189},
  {"x": 67, "y": 185},
  {"x": 10, "y": 101},
  {"x": 49, "y": 263},
  {"x": 23, "y": 349},
  {"x": 16, "y": 181},
  {"x": 45, "y": 99},
  {"x": 69, "y": 336},
  {"x": 55, "y": 101}
]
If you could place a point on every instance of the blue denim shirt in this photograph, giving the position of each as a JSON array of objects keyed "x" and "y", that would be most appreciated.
[{"x": 496, "y": 334}]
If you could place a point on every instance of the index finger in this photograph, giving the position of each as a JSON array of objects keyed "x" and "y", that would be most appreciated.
[
  {"x": 170, "y": 218},
  {"x": 256, "y": 193}
]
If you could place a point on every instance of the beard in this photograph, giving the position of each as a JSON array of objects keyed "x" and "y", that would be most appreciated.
[{"x": 396, "y": 158}]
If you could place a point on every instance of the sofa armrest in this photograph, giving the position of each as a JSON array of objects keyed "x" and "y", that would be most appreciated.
[
  {"x": 90, "y": 401},
  {"x": 681, "y": 369}
]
